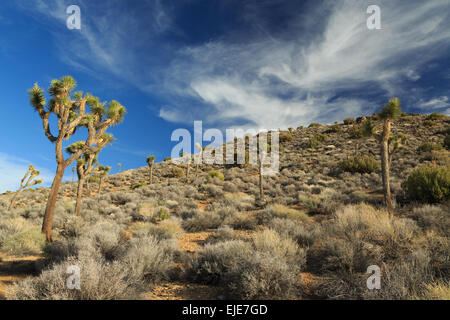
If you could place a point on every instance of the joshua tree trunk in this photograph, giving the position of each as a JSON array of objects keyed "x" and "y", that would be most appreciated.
[
  {"x": 261, "y": 191},
  {"x": 79, "y": 196},
  {"x": 151, "y": 173},
  {"x": 14, "y": 198},
  {"x": 50, "y": 208},
  {"x": 100, "y": 185},
  {"x": 385, "y": 164}
]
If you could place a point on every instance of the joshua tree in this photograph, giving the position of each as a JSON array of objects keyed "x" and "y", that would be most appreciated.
[
  {"x": 396, "y": 141},
  {"x": 70, "y": 110},
  {"x": 31, "y": 174},
  {"x": 73, "y": 173},
  {"x": 388, "y": 113},
  {"x": 187, "y": 160},
  {"x": 102, "y": 173},
  {"x": 120, "y": 166},
  {"x": 200, "y": 155},
  {"x": 85, "y": 165},
  {"x": 150, "y": 161}
]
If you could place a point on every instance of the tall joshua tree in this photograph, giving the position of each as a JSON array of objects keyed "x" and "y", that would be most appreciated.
[
  {"x": 102, "y": 174},
  {"x": 150, "y": 161},
  {"x": 388, "y": 113},
  {"x": 31, "y": 174},
  {"x": 70, "y": 111},
  {"x": 200, "y": 156}
]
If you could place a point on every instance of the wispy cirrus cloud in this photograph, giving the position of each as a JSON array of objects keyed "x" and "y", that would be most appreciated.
[
  {"x": 273, "y": 82},
  {"x": 316, "y": 62}
]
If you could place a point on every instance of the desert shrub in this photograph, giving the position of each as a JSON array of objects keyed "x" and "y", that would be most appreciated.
[
  {"x": 428, "y": 184},
  {"x": 215, "y": 174},
  {"x": 348, "y": 121},
  {"x": 230, "y": 187},
  {"x": 138, "y": 185},
  {"x": 270, "y": 242},
  {"x": 317, "y": 140},
  {"x": 356, "y": 132},
  {"x": 12, "y": 226},
  {"x": 263, "y": 277},
  {"x": 314, "y": 125},
  {"x": 359, "y": 164},
  {"x": 161, "y": 214},
  {"x": 100, "y": 280},
  {"x": 437, "y": 290},
  {"x": 28, "y": 241},
  {"x": 147, "y": 258},
  {"x": 285, "y": 137},
  {"x": 177, "y": 172},
  {"x": 303, "y": 234},
  {"x": 280, "y": 211},
  {"x": 167, "y": 159},
  {"x": 435, "y": 116},
  {"x": 335, "y": 128},
  {"x": 243, "y": 272},
  {"x": 429, "y": 146},
  {"x": 433, "y": 217},
  {"x": 213, "y": 190},
  {"x": 201, "y": 221},
  {"x": 240, "y": 221},
  {"x": 166, "y": 229},
  {"x": 447, "y": 142}
]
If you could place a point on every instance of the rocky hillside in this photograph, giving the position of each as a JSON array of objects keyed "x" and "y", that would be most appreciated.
[{"x": 313, "y": 236}]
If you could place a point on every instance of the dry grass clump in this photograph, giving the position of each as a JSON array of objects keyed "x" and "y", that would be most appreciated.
[
  {"x": 265, "y": 268},
  {"x": 280, "y": 211},
  {"x": 201, "y": 221}
]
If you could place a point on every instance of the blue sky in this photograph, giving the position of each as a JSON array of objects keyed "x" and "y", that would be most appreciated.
[{"x": 233, "y": 63}]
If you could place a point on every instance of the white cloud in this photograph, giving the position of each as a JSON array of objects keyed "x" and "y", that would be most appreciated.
[
  {"x": 277, "y": 83},
  {"x": 436, "y": 103}
]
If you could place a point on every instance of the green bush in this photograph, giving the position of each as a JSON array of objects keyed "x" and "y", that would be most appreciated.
[
  {"x": 447, "y": 142},
  {"x": 314, "y": 125},
  {"x": 428, "y": 184},
  {"x": 138, "y": 185},
  {"x": 435, "y": 116},
  {"x": 215, "y": 174},
  {"x": 286, "y": 137},
  {"x": 429, "y": 146},
  {"x": 177, "y": 172},
  {"x": 359, "y": 164},
  {"x": 349, "y": 121},
  {"x": 317, "y": 140}
]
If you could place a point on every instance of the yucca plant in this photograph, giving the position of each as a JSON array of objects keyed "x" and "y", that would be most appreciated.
[
  {"x": 102, "y": 172},
  {"x": 74, "y": 169},
  {"x": 150, "y": 161},
  {"x": 120, "y": 166},
  {"x": 70, "y": 109},
  {"x": 31, "y": 174},
  {"x": 391, "y": 111}
]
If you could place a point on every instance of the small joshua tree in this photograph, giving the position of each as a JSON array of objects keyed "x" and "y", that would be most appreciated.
[
  {"x": 388, "y": 113},
  {"x": 186, "y": 158},
  {"x": 150, "y": 161},
  {"x": 200, "y": 155},
  {"x": 396, "y": 142},
  {"x": 70, "y": 110},
  {"x": 85, "y": 165},
  {"x": 120, "y": 166},
  {"x": 31, "y": 174},
  {"x": 102, "y": 174}
]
